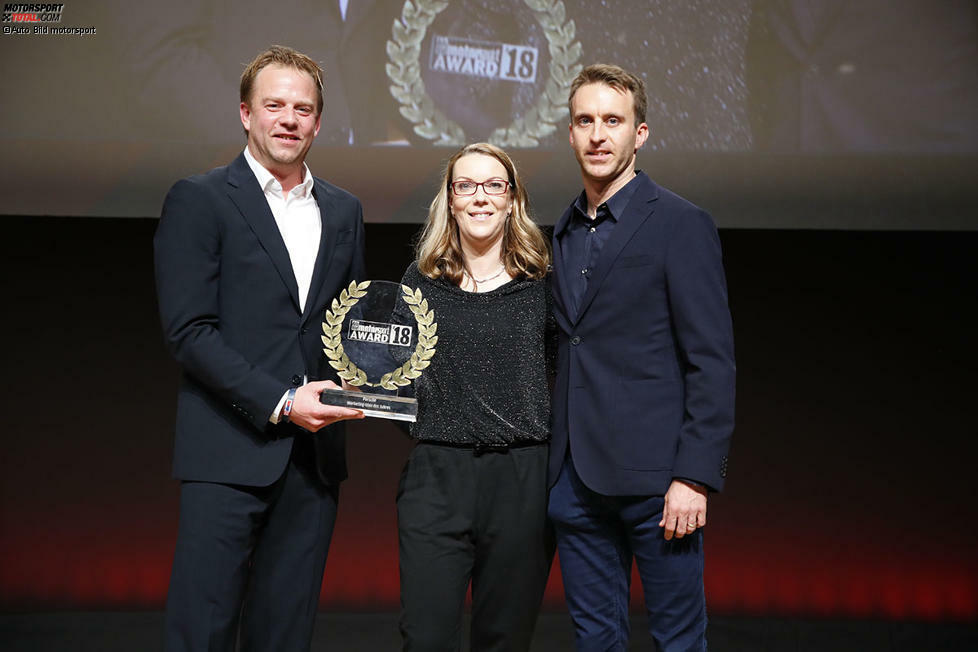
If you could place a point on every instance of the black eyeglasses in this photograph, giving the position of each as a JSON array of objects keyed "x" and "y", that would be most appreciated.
[{"x": 490, "y": 187}]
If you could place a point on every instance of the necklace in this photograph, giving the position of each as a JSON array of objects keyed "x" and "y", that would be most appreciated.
[{"x": 502, "y": 268}]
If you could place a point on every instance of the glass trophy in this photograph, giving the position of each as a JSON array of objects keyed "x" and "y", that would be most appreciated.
[{"x": 379, "y": 336}]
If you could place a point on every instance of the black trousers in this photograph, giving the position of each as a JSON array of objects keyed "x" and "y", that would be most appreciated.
[
  {"x": 473, "y": 516},
  {"x": 252, "y": 556}
]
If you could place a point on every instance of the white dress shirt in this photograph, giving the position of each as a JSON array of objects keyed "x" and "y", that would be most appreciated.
[
  {"x": 298, "y": 219},
  {"x": 300, "y": 223}
]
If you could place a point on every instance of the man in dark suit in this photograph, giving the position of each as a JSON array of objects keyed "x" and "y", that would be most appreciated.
[
  {"x": 643, "y": 402},
  {"x": 247, "y": 258},
  {"x": 347, "y": 38}
]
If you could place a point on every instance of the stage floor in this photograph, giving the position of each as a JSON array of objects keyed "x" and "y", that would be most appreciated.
[{"x": 377, "y": 632}]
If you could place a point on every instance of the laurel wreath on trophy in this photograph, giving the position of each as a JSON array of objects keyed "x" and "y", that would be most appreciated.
[
  {"x": 403, "y": 375},
  {"x": 404, "y": 71}
]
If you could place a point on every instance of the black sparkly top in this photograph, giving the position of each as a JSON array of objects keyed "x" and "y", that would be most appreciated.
[{"x": 488, "y": 383}]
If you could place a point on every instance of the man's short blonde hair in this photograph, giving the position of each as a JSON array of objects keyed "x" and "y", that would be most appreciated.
[{"x": 282, "y": 56}]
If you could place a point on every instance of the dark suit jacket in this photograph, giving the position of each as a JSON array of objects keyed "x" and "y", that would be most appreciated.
[
  {"x": 645, "y": 370},
  {"x": 230, "y": 311}
]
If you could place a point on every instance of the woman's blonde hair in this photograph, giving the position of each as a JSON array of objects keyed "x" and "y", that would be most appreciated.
[{"x": 525, "y": 251}]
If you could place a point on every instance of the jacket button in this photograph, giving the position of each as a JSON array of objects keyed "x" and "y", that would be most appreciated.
[
  {"x": 296, "y": 380},
  {"x": 576, "y": 340}
]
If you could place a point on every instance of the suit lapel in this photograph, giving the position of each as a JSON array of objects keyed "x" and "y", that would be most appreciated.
[
  {"x": 638, "y": 210},
  {"x": 247, "y": 196},
  {"x": 325, "y": 256},
  {"x": 561, "y": 298}
]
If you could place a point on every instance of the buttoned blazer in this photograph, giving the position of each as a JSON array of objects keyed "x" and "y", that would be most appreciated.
[
  {"x": 229, "y": 306},
  {"x": 645, "y": 368}
]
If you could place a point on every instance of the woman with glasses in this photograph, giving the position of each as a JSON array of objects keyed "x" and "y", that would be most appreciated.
[{"x": 472, "y": 500}]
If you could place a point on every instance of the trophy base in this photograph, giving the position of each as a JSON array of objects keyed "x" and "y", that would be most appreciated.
[{"x": 373, "y": 405}]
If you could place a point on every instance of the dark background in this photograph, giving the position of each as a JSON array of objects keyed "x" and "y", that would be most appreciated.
[{"x": 850, "y": 492}]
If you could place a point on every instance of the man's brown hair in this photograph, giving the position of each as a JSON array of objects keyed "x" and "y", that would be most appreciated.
[
  {"x": 282, "y": 56},
  {"x": 617, "y": 78}
]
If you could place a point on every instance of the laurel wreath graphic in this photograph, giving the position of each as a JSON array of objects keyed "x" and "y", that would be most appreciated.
[
  {"x": 403, "y": 375},
  {"x": 407, "y": 87}
]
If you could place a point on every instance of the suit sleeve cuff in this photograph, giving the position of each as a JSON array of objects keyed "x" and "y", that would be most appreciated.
[{"x": 276, "y": 415}]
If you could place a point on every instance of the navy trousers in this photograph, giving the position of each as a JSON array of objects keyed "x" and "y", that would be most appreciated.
[
  {"x": 597, "y": 538},
  {"x": 249, "y": 561}
]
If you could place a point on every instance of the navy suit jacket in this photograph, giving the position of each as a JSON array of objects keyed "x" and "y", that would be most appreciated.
[
  {"x": 645, "y": 369},
  {"x": 230, "y": 311}
]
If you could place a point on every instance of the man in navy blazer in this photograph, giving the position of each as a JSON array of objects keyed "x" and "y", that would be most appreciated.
[
  {"x": 644, "y": 397},
  {"x": 247, "y": 258}
]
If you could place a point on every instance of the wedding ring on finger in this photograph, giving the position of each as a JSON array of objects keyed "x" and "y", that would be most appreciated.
[{"x": 690, "y": 525}]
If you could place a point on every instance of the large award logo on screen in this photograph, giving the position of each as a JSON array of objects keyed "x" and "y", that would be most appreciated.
[{"x": 471, "y": 70}]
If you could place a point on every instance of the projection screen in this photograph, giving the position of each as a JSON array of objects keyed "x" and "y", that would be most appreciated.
[{"x": 780, "y": 114}]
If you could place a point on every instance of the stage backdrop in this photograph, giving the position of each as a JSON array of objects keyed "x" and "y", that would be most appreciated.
[{"x": 850, "y": 490}]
